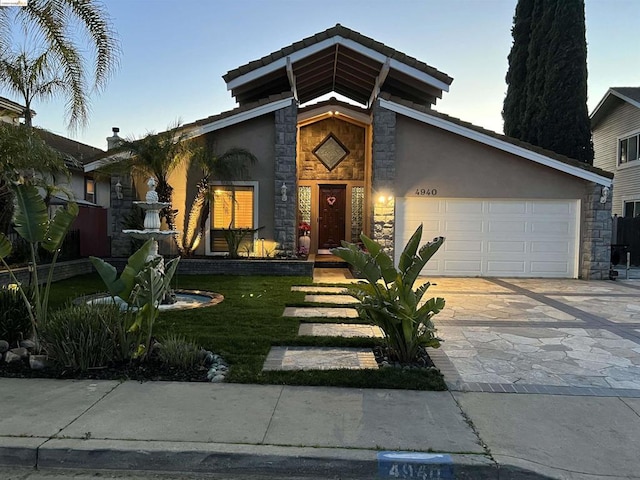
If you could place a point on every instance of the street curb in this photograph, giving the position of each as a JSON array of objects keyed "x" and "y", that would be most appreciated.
[{"x": 188, "y": 457}]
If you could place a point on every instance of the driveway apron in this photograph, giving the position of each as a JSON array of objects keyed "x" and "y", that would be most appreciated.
[{"x": 568, "y": 337}]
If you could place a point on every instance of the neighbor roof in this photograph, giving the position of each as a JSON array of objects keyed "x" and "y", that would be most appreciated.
[
  {"x": 75, "y": 153},
  {"x": 341, "y": 60},
  {"x": 12, "y": 107},
  {"x": 615, "y": 96},
  {"x": 497, "y": 140}
]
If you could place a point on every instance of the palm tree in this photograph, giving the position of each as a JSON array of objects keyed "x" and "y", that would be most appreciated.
[
  {"x": 157, "y": 155},
  {"x": 231, "y": 165},
  {"x": 60, "y": 24},
  {"x": 39, "y": 79}
]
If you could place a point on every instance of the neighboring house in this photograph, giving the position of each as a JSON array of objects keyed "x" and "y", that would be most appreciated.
[
  {"x": 507, "y": 208},
  {"x": 91, "y": 194},
  {"x": 615, "y": 123}
]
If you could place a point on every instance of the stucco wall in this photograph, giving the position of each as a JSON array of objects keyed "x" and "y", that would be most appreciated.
[
  {"x": 350, "y": 135},
  {"x": 257, "y": 136},
  {"x": 431, "y": 158}
]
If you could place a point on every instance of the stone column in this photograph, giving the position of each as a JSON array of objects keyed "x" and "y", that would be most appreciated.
[
  {"x": 595, "y": 258},
  {"x": 383, "y": 177},
  {"x": 120, "y": 208},
  {"x": 284, "y": 228}
]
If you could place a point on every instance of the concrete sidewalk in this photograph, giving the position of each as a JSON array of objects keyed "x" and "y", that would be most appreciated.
[{"x": 320, "y": 432}]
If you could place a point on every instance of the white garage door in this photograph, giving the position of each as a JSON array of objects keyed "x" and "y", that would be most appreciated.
[{"x": 493, "y": 238}]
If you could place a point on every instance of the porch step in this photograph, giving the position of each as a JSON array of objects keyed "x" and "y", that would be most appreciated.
[{"x": 329, "y": 261}]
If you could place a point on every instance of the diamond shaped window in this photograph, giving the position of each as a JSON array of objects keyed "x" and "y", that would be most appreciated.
[{"x": 331, "y": 152}]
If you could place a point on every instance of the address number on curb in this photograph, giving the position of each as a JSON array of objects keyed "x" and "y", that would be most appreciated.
[
  {"x": 421, "y": 472},
  {"x": 426, "y": 192}
]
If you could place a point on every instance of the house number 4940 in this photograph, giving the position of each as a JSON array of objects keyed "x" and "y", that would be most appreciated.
[{"x": 425, "y": 192}]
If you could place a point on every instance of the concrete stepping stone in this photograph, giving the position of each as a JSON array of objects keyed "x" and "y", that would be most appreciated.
[
  {"x": 337, "y": 299},
  {"x": 319, "y": 358},
  {"x": 347, "y": 330},
  {"x": 320, "y": 290},
  {"x": 323, "y": 312}
]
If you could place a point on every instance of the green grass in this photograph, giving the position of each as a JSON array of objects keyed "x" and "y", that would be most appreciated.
[{"x": 249, "y": 321}]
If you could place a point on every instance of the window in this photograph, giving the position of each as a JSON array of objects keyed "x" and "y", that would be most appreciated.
[
  {"x": 90, "y": 190},
  {"x": 628, "y": 149},
  {"x": 232, "y": 207},
  {"x": 632, "y": 209}
]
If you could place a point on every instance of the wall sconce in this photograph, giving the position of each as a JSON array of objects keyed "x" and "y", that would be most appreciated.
[
  {"x": 283, "y": 192},
  {"x": 605, "y": 194},
  {"x": 118, "y": 189}
]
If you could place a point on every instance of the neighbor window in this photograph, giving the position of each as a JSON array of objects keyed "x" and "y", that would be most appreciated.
[
  {"x": 632, "y": 209},
  {"x": 90, "y": 190},
  {"x": 232, "y": 207},
  {"x": 628, "y": 149}
]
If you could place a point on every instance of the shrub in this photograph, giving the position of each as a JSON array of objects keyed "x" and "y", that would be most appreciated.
[
  {"x": 15, "y": 324},
  {"x": 80, "y": 336},
  {"x": 176, "y": 351},
  {"x": 388, "y": 300}
]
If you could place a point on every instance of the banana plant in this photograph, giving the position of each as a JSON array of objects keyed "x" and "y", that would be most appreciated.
[
  {"x": 32, "y": 223},
  {"x": 388, "y": 299},
  {"x": 123, "y": 286},
  {"x": 152, "y": 283}
]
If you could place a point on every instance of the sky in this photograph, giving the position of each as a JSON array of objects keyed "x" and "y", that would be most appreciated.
[{"x": 174, "y": 53}]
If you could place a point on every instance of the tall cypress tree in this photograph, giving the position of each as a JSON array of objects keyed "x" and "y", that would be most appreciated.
[{"x": 546, "y": 102}]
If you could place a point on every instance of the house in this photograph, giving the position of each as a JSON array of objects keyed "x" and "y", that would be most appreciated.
[
  {"x": 615, "y": 123},
  {"x": 388, "y": 162},
  {"x": 91, "y": 193}
]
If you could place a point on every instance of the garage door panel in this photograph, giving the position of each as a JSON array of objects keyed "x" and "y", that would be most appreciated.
[
  {"x": 534, "y": 238},
  {"x": 504, "y": 208},
  {"x": 553, "y": 228},
  {"x": 505, "y": 268},
  {"x": 472, "y": 226},
  {"x": 506, "y": 247},
  {"x": 507, "y": 227},
  {"x": 454, "y": 246},
  {"x": 462, "y": 207},
  {"x": 551, "y": 247}
]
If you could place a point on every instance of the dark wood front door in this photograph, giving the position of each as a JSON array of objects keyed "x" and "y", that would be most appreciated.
[{"x": 331, "y": 215}]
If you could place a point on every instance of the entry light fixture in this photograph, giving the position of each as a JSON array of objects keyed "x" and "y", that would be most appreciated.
[
  {"x": 604, "y": 194},
  {"x": 118, "y": 189},
  {"x": 283, "y": 192}
]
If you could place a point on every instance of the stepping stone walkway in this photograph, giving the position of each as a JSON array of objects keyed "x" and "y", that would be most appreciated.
[
  {"x": 325, "y": 312},
  {"x": 339, "y": 330},
  {"x": 319, "y": 358},
  {"x": 324, "y": 358},
  {"x": 337, "y": 299}
]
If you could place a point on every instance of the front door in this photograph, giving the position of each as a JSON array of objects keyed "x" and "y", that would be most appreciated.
[{"x": 331, "y": 216}]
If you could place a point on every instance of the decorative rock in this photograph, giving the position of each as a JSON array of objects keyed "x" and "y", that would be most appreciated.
[
  {"x": 28, "y": 344},
  {"x": 38, "y": 362},
  {"x": 4, "y": 346},
  {"x": 217, "y": 379},
  {"x": 21, "y": 352},
  {"x": 11, "y": 357}
]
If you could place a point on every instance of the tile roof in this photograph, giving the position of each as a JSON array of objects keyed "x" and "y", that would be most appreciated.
[
  {"x": 80, "y": 153},
  {"x": 513, "y": 141}
]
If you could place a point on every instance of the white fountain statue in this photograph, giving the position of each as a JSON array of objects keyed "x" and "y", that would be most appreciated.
[{"x": 152, "y": 207}]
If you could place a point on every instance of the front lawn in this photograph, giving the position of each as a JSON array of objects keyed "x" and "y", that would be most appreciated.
[{"x": 248, "y": 322}]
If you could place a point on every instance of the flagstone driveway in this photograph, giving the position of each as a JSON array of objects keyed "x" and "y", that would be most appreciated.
[{"x": 540, "y": 336}]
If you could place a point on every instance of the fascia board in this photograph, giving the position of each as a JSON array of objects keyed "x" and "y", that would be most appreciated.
[{"x": 496, "y": 143}]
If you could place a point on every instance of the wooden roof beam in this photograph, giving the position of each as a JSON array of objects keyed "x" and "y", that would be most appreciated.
[{"x": 382, "y": 76}]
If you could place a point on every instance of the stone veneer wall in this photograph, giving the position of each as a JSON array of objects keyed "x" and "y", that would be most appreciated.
[
  {"x": 595, "y": 260},
  {"x": 62, "y": 271},
  {"x": 383, "y": 177},
  {"x": 120, "y": 208},
  {"x": 285, "y": 229},
  {"x": 350, "y": 135}
]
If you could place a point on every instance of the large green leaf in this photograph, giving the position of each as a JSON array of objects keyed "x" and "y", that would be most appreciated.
[
  {"x": 108, "y": 273},
  {"x": 383, "y": 260},
  {"x": 409, "y": 252},
  {"x": 424, "y": 254},
  {"x": 30, "y": 219},
  {"x": 135, "y": 265},
  {"x": 59, "y": 226},
  {"x": 5, "y": 246}
]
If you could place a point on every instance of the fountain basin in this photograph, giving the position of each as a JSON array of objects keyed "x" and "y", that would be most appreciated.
[{"x": 185, "y": 299}]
